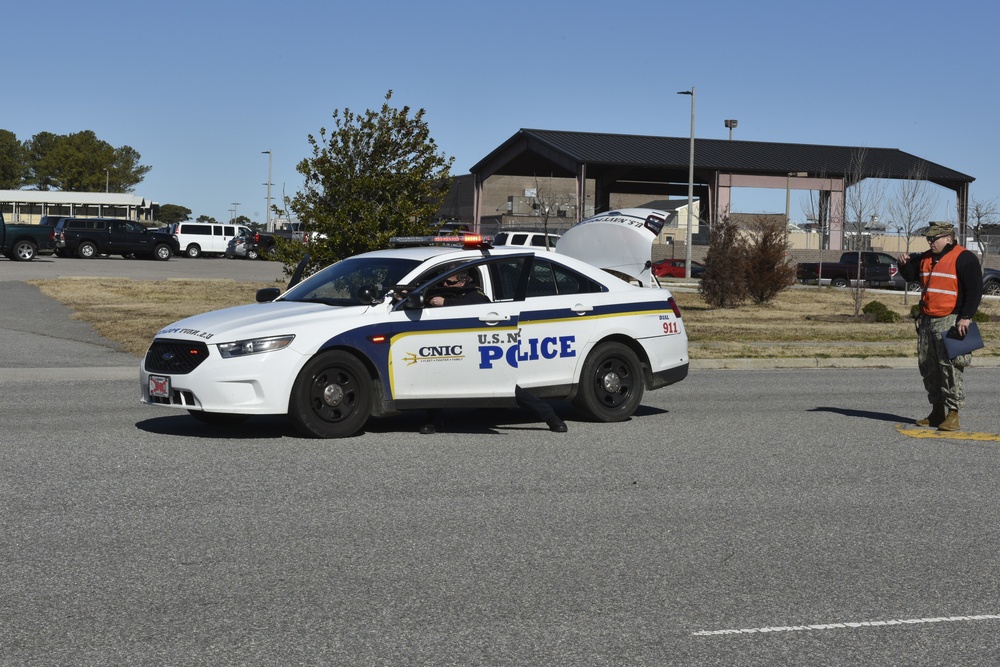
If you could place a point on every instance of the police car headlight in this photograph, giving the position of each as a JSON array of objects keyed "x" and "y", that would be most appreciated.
[{"x": 242, "y": 348}]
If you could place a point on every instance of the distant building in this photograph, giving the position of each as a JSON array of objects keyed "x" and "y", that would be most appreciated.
[{"x": 28, "y": 206}]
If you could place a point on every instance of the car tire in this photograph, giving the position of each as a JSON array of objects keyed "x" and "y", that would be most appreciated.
[
  {"x": 611, "y": 385},
  {"x": 193, "y": 251},
  {"x": 331, "y": 397},
  {"x": 218, "y": 418},
  {"x": 992, "y": 288},
  {"x": 24, "y": 251},
  {"x": 86, "y": 250},
  {"x": 839, "y": 283},
  {"x": 163, "y": 252},
  {"x": 915, "y": 287},
  {"x": 252, "y": 253}
]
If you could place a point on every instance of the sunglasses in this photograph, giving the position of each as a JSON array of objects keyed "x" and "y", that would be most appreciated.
[
  {"x": 932, "y": 239},
  {"x": 453, "y": 281}
]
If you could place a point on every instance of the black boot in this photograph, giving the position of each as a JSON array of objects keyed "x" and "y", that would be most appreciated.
[{"x": 435, "y": 422}]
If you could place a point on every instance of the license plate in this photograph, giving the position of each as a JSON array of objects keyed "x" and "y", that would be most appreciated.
[{"x": 159, "y": 386}]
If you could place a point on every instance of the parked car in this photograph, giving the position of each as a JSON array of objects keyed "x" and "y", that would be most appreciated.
[
  {"x": 89, "y": 237},
  {"x": 22, "y": 243},
  {"x": 450, "y": 227},
  {"x": 531, "y": 239},
  {"x": 242, "y": 247},
  {"x": 991, "y": 282},
  {"x": 202, "y": 238},
  {"x": 675, "y": 268},
  {"x": 878, "y": 269},
  {"x": 358, "y": 338}
]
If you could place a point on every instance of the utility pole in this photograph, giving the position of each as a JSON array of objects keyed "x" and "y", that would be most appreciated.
[{"x": 268, "y": 226}]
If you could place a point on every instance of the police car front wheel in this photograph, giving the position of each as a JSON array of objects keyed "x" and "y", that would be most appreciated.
[
  {"x": 331, "y": 397},
  {"x": 611, "y": 385}
]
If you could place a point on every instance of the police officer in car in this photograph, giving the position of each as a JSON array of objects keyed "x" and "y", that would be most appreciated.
[
  {"x": 952, "y": 287},
  {"x": 458, "y": 291}
]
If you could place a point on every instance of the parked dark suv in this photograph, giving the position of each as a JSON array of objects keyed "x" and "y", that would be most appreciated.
[{"x": 89, "y": 237}]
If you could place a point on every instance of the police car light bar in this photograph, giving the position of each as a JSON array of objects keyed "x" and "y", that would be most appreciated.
[{"x": 465, "y": 240}]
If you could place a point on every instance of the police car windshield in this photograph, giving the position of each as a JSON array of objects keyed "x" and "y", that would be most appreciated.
[{"x": 354, "y": 281}]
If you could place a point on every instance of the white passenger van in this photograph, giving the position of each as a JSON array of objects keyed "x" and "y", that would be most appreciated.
[
  {"x": 202, "y": 238},
  {"x": 535, "y": 239}
]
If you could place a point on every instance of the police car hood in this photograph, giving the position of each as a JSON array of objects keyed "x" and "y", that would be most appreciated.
[
  {"x": 257, "y": 319},
  {"x": 619, "y": 241}
]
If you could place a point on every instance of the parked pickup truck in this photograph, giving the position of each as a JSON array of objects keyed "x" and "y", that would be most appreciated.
[
  {"x": 878, "y": 269},
  {"x": 22, "y": 243},
  {"x": 290, "y": 231},
  {"x": 89, "y": 237}
]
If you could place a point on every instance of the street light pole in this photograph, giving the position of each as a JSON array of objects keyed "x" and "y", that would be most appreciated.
[
  {"x": 687, "y": 233},
  {"x": 235, "y": 204},
  {"x": 268, "y": 226},
  {"x": 731, "y": 124}
]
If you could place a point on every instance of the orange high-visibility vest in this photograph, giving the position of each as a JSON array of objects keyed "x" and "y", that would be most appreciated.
[{"x": 940, "y": 283}]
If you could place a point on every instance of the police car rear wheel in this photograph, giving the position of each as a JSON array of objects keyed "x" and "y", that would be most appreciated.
[
  {"x": 611, "y": 386},
  {"x": 331, "y": 397}
]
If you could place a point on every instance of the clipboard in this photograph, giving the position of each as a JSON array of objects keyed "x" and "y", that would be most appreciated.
[{"x": 956, "y": 346}]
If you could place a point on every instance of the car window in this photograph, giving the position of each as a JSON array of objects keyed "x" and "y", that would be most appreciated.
[
  {"x": 135, "y": 227},
  {"x": 505, "y": 275},
  {"x": 519, "y": 239},
  {"x": 548, "y": 279},
  {"x": 341, "y": 284}
]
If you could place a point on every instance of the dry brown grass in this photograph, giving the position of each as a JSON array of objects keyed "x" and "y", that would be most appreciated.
[
  {"x": 130, "y": 312},
  {"x": 802, "y": 322}
]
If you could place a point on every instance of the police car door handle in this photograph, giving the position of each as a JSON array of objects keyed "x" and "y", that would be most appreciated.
[
  {"x": 580, "y": 308},
  {"x": 494, "y": 318}
]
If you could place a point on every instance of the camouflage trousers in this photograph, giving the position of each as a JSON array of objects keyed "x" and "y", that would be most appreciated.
[{"x": 942, "y": 376}]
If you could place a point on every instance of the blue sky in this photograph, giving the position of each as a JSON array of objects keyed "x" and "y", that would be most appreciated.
[{"x": 200, "y": 89}]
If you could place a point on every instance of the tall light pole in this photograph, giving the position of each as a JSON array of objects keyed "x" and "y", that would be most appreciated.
[
  {"x": 268, "y": 226},
  {"x": 235, "y": 204},
  {"x": 731, "y": 123},
  {"x": 687, "y": 233}
]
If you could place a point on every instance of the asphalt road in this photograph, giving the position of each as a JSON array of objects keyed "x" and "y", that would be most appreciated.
[{"x": 783, "y": 504}]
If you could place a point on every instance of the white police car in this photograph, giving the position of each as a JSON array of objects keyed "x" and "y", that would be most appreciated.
[{"x": 346, "y": 344}]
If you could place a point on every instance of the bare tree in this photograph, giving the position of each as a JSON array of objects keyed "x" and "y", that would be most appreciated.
[
  {"x": 983, "y": 219},
  {"x": 864, "y": 200},
  {"x": 912, "y": 207},
  {"x": 547, "y": 205}
]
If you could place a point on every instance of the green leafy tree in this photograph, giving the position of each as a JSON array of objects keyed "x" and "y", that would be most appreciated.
[
  {"x": 171, "y": 213},
  {"x": 41, "y": 166},
  {"x": 374, "y": 176},
  {"x": 81, "y": 162},
  {"x": 12, "y": 166},
  {"x": 206, "y": 219},
  {"x": 125, "y": 171}
]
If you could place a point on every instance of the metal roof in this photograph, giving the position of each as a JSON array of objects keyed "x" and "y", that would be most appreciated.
[
  {"x": 58, "y": 197},
  {"x": 635, "y": 156}
]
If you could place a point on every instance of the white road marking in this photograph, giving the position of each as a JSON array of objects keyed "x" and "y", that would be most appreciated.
[{"x": 854, "y": 624}]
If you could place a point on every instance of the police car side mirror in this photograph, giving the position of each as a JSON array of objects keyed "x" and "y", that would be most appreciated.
[
  {"x": 267, "y": 294},
  {"x": 368, "y": 295},
  {"x": 415, "y": 301}
]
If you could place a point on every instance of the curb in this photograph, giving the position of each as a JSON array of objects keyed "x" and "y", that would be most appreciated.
[{"x": 818, "y": 362}]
